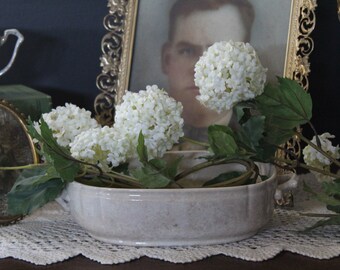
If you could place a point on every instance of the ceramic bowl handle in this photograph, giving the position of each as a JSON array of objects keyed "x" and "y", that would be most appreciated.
[
  {"x": 286, "y": 182},
  {"x": 20, "y": 39}
]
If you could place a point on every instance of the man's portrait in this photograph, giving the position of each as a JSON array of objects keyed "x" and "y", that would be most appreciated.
[{"x": 169, "y": 43}]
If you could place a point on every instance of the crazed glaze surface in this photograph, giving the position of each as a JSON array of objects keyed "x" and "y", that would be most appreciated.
[{"x": 170, "y": 217}]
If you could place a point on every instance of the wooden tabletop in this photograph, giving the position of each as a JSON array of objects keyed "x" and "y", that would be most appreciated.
[{"x": 284, "y": 260}]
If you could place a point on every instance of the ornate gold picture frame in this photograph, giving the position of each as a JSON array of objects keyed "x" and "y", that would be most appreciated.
[{"x": 121, "y": 45}]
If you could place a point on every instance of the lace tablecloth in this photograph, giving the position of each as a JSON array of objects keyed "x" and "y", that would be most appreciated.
[{"x": 50, "y": 235}]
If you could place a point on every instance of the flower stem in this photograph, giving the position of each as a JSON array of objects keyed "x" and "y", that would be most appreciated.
[
  {"x": 122, "y": 177},
  {"x": 318, "y": 215},
  {"x": 318, "y": 143},
  {"x": 296, "y": 164},
  {"x": 248, "y": 164},
  {"x": 195, "y": 142},
  {"x": 29, "y": 166},
  {"x": 317, "y": 148}
]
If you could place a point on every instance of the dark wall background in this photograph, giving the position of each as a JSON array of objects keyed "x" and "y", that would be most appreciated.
[
  {"x": 61, "y": 50},
  {"x": 60, "y": 54},
  {"x": 325, "y": 66}
]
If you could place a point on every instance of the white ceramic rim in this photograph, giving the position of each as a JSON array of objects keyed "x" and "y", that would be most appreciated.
[{"x": 272, "y": 177}]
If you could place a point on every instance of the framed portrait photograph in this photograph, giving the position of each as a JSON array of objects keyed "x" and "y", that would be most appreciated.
[{"x": 158, "y": 42}]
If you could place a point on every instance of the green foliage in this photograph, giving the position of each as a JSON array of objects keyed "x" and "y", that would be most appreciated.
[
  {"x": 168, "y": 169},
  {"x": 332, "y": 188},
  {"x": 250, "y": 134},
  {"x": 330, "y": 195},
  {"x": 333, "y": 220},
  {"x": 222, "y": 140},
  {"x": 141, "y": 149},
  {"x": 264, "y": 123},
  {"x": 334, "y": 208},
  {"x": 59, "y": 156},
  {"x": 323, "y": 196},
  {"x": 155, "y": 173},
  {"x": 285, "y": 107},
  {"x": 150, "y": 177},
  {"x": 246, "y": 143},
  {"x": 254, "y": 129},
  {"x": 34, "y": 188}
]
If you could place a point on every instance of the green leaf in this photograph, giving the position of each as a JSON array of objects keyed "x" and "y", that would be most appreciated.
[
  {"x": 155, "y": 173},
  {"x": 335, "y": 220},
  {"x": 250, "y": 133},
  {"x": 32, "y": 131},
  {"x": 285, "y": 107},
  {"x": 265, "y": 152},
  {"x": 331, "y": 188},
  {"x": 33, "y": 189},
  {"x": 141, "y": 149},
  {"x": 244, "y": 110},
  {"x": 254, "y": 128},
  {"x": 239, "y": 112},
  {"x": 35, "y": 176},
  {"x": 150, "y": 178},
  {"x": 321, "y": 196},
  {"x": 95, "y": 182},
  {"x": 172, "y": 168},
  {"x": 157, "y": 163},
  {"x": 222, "y": 140},
  {"x": 67, "y": 168},
  {"x": 334, "y": 208},
  {"x": 48, "y": 139},
  {"x": 168, "y": 169}
]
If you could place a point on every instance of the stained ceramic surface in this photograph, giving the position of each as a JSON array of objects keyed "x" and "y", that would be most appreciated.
[{"x": 170, "y": 217}]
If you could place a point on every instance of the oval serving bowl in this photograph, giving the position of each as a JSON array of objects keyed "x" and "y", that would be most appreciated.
[{"x": 174, "y": 217}]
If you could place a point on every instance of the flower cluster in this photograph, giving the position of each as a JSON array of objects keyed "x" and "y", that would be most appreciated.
[
  {"x": 149, "y": 111},
  {"x": 149, "y": 123},
  {"x": 314, "y": 158},
  {"x": 154, "y": 113},
  {"x": 227, "y": 73},
  {"x": 66, "y": 122},
  {"x": 101, "y": 146}
]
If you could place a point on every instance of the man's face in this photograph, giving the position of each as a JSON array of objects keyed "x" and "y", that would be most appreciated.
[{"x": 192, "y": 36}]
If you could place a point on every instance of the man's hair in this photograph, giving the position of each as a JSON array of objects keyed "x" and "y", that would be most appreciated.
[{"x": 186, "y": 7}]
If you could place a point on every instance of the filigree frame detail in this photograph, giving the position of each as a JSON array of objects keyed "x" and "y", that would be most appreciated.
[
  {"x": 117, "y": 47},
  {"x": 300, "y": 44}
]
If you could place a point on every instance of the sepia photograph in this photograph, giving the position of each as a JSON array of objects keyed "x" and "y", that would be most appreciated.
[{"x": 169, "y": 43}]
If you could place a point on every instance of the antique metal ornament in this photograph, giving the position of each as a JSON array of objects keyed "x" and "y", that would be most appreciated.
[
  {"x": 300, "y": 42},
  {"x": 16, "y": 149},
  {"x": 3, "y": 39},
  {"x": 16, "y": 146},
  {"x": 117, "y": 47}
]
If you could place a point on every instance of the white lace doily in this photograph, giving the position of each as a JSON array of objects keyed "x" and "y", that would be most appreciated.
[{"x": 50, "y": 235}]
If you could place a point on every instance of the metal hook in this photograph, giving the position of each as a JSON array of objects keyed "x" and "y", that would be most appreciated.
[{"x": 3, "y": 39}]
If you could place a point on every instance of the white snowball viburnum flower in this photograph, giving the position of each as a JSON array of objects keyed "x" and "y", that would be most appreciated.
[
  {"x": 153, "y": 113},
  {"x": 314, "y": 158},
  {"x": 66, "y": 122},
  {"x": 227, "y": 73},
  {"x": 101, "y": 146}
]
